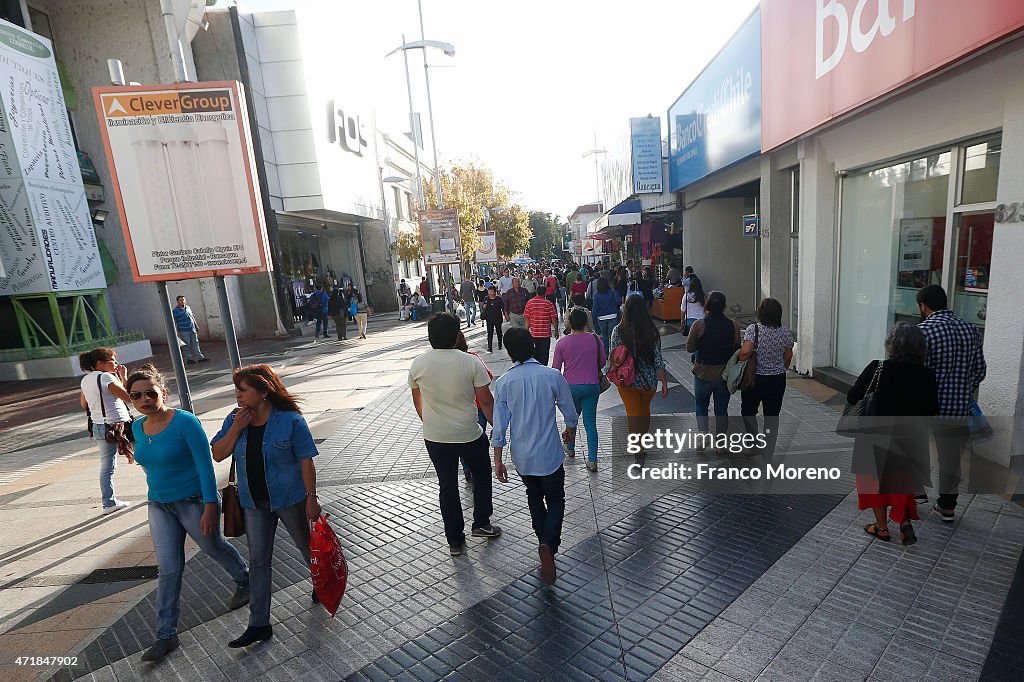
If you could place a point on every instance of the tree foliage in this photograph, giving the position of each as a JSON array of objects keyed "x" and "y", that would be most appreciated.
[
  {"x": 547, "y": 235},
  {"x": 471, "y": 188},
  {"x": 408, "y": 246}
]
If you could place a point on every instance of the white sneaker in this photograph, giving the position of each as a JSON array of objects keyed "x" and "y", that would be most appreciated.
[{"x": 117, "y": 506}]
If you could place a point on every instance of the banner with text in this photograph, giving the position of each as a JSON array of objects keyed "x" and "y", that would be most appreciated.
[
  {"x": 439, "y": 232},
  {"x": 645, "y": 151},
  {"x": 48, "y": 243},
  {"x": 182, "y": 164}
]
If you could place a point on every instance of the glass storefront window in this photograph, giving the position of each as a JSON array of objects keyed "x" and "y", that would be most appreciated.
[
  {"x": 893, "y": 222},
  {"x": 973, "y": 263},
  {"x": 981, "y": 172}
]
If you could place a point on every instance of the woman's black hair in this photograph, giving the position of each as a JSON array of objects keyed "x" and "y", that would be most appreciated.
[
  {"x": 697, "y": 289},
  {"x": 637, "y": 329},
  {"x": 715, "y": 304},
  {"x": 602, "y": 285},
  {"x": 769, "y": 313}
]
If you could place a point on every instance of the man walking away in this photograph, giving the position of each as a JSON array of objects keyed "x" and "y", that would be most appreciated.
[
  {"x": 404, "y": 292},
  {"x": 185, "y": 322},
  {"x": 525, "y": 398},
  {"x": 337, "y": 308},
  {"x": 541, "y": 318},
  {"x": 467, "y": 290},
  {"x": 446, "y": 386},
  {"x": 515, "y": 304},
  {"x": 955, "y": 355},
  {"x": 318, "y": 302},
  {"x": 493, "y": 313}
]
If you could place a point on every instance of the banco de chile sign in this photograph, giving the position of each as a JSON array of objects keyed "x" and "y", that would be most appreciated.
[{"x": 717, "y": 120}]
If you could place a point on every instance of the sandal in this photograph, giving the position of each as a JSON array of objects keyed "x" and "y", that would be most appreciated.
[
  {"x": 907, "y": 535},
  {"x": 873, "y": 529}
]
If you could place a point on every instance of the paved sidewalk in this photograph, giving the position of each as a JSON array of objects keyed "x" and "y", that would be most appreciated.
[{"x": 668, "y": 582}]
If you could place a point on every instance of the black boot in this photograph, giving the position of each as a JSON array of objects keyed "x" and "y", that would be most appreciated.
[{"x": 251, "y": 636}]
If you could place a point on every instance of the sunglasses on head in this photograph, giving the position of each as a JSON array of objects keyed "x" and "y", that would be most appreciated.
[{"x": 151, "y": 394}]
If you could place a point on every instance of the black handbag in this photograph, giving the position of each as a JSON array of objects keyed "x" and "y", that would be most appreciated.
[
  {"x": 231, "y": 507},
  {"x": 852, "y": 423},
  {"x": 602, "y": 378}
]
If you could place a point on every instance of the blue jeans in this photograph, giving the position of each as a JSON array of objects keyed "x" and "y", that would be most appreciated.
[
  {"x": 605, "y": 327},
  {"x": 191, "y": 347},
  {"x": 321, "y": 321},
  {"x": 168, "y": 524},
  {"x": 260, "y": 528},
  {"x": 470, "y": 312},
  {"x": 108, "y": 463},
  {"x": 702, "y": 392},
  {"x": 584, "y": 397}
]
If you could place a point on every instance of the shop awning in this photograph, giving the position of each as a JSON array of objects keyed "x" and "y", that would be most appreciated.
[{"x": 624, "y": 213}]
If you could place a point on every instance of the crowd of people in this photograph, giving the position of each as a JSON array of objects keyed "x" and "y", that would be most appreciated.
[{"x": 600, "y": 320}]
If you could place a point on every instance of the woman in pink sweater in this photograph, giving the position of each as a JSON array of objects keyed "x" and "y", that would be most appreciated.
[{"x": 579, "y": 355}]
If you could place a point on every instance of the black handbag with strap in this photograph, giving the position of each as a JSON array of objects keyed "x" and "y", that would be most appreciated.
[
  {"x": 852, "y": 423},
  {"x": 231, "y": 507},
  {"x": 602, "y": 378}
]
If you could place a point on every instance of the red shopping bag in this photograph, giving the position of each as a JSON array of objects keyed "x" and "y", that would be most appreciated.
[{"x": 327, "y": 564}]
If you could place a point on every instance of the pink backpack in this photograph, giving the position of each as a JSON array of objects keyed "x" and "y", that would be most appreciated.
[{"x": 622, "y": 370}]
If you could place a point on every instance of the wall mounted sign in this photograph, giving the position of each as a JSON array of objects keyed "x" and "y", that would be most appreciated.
[{"x": 645, "y": 152}]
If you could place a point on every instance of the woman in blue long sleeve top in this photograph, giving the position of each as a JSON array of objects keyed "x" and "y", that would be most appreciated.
[{"x": 172, "y": 448}]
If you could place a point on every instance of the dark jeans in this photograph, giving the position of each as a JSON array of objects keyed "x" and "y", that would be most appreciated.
[
  {"x": 546, "y": 496},
  {"x": 339, "y": 324},
  {"x": 541, "y": 349},
  {"x": 949, "y": 444},
  {"x": 703, "y": 391},
  {"x": 260, "y": 530},
  {"x": 321, "y": 322},
  {"x": 445, "y": 458},
  {"x": 767, "y": 394},
  {"x": 493, "y": 327}
]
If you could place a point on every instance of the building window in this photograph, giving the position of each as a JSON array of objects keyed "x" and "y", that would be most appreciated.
[
  {"x": 398, "y": 203},
  {"x": 892, "y": 236}
]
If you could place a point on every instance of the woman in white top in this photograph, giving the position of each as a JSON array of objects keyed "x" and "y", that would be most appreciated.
[
  {"x": 692, "y": 306},
  {"x": 104, "y": 396}
]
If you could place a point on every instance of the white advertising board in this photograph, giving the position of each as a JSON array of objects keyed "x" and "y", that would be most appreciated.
[
  {"x": 439, "y": 233},
  {"x": 488, "y": 251},
  {"x": 645, "y": 150},
  {"x": 47, "y": 243},
  {"x": 182, "y": 163}
]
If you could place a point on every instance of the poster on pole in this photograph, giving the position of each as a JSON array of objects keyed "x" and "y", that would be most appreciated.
[
  {"x": 645, "y": 149},
  {"x": 182, "y": 165},
  {"x": 439, "y": 232},
  {"x": 488, "y": 251},
  {"x": 47, "y": 243}
]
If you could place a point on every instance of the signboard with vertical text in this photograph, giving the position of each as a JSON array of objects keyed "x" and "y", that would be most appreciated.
[
  {"x": 645, "y": 153},
  {"x": 48, "y": 243}
]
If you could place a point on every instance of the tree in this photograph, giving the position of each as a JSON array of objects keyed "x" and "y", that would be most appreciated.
[
  {"x": 408, "y": 246},
  {"x": 471, "y": 188},
  {"x": 547, "y": 235}
]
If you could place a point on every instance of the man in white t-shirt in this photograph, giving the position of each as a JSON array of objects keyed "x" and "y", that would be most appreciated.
[
  {"x": 446, "y": 386},
  {"x": 504, "y": 282}
]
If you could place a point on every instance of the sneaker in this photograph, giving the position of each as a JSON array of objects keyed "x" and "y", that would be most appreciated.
[
  {"x": 547, "y": 564},
  {"x": 488, "y": 531},
  {"x": 204, "y": 359},
  {"x": 117, "y": 506},
  {"x": 921, "y": 499},
  {"x": 457, "y": 551},
  {"x": 240, "y": 598},
  {"x": 944, "y": 514},
  {"x": 591, "y": 466},
  {"x": 251, "y": 636},
  {"x": 161, "y": 648}
]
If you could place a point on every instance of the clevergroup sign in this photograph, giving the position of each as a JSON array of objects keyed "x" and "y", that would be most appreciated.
[
  {"x": 824, "y": 58},
  {"x": 717, "y": 120},
  {"x": 183, "y": 172}
]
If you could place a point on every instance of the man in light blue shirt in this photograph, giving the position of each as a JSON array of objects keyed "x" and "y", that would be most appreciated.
[{"x": 525, "y": 398}]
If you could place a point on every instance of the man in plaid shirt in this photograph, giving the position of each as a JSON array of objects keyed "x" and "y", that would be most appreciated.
[{"x": 955, "y": 355}]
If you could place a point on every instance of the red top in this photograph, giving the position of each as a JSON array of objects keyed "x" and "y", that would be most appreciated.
[
  {"x": 579, "y": 287},
  {"x": 552, "y": 285},
  {"x": 541, "y": 313}
]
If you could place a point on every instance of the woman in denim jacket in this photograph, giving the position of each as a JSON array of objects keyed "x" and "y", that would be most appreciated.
[{"x": 273, "y": 451}]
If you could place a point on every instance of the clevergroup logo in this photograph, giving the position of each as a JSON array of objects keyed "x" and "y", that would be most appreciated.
[{"x": 157, "y": 103}]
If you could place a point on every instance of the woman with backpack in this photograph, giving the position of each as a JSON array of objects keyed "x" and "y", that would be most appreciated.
[
  {"x": 636, "y": 363},
  {"x": 360, "y": 309}
]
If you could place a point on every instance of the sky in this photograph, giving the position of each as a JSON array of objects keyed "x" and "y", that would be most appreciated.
[{"x": 532, "y": 82}]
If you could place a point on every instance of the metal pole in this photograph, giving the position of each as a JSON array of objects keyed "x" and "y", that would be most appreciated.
[
  {"x": 184, "y": 395},
  {"x": 430, "y": 109},
  {"x": 229, "y": 325},
  {"x": 177, "y": 52},
  {"x": 414, "y": 128}
]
